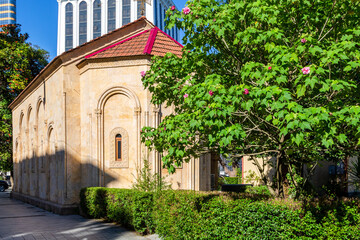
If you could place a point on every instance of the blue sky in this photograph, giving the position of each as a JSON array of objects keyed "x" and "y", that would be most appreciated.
[{"x": 39, "y": 19}]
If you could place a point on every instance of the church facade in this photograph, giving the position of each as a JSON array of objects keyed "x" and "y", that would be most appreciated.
[{"x": 78, "y": 123}]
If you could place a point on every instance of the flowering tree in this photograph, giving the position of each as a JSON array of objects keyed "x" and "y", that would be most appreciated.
[
  {"x": 19, "y": 63},
  {"x": 261, "y": 78}
]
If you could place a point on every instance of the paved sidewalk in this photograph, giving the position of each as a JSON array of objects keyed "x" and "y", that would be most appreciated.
[{"x": 19, "y": 220}]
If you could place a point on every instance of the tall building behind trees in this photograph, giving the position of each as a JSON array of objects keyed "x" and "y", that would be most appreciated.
[
  {"x": 7, "y": 12},
  {"x": 80, "y": 21}
]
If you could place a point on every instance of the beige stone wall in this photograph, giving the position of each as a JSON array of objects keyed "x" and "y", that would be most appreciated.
[
  {"x": 250, "y": 169},
  {"x": 113, "y": 100},
  {"x": 37, "y": 133}
]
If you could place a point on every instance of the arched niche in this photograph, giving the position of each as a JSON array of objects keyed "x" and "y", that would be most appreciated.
[{"x": 106, "y": 133}]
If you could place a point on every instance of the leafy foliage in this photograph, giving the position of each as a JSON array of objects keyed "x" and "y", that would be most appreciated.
[
  {"x": 19, "y": 63},
  {"x": 200, "y": 215},
  {"x": 260, "y": 78},
  {"x": 131, "y": 208},
  {"x": 149, "y": 182}
]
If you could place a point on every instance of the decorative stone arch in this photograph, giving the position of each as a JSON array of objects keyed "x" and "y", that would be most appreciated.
[
  {"x": 118, "y": 90},
  {"x": 124, "y": 163},
  {"x": 50, "y": 130},
  {"x": 38, "y": 105},
  {"x": 29, "y": 109},
  {"x": 30, "y": 139},
  {"x": 21, "y": 119},
  {"x": 52, "y": 167},
  {"x": 39, "y": 127},
  {"x": 100, "y": 127}
]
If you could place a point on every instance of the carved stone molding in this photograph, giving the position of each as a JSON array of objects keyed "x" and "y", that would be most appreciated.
[
  {"x": 106, "y": 63},
  {"x": 98, "y": 111},
  {"x": 124, "y": 163}
]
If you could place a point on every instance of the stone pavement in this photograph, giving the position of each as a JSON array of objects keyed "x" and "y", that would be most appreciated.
[{"x": 19, "y": 220}]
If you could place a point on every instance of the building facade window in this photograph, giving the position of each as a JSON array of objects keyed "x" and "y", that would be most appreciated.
[
  {"x": 82, "y": 22},
  {"x": 126, "y": 9},
  {"x": 161, "y": 18},
  {"x": 96, "y": 18},
  {"x": 7, "y": 12},
  {"x": 111, "y": 15},
  {"x": 139, "y": 8},
  {"x": 118, "y": 153},
  {"x": 68, "y": 26}
]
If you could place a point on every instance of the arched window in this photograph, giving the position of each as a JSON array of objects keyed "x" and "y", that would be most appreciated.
[
  {"x": 68, "y": 26},
  {"x": 82, "y": 22},
  {"x": 97, "y": 19},
  {"x": 111, "y": 15},
  {"x": 118, "y": 152},
  {"x": 126, "y": 8},
  {"x": 139, "y": 9}
]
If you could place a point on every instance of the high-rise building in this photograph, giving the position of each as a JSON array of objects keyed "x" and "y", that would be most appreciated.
[
  {"x": 80, "y": 21},
  {"x": 7, "y": 12}
]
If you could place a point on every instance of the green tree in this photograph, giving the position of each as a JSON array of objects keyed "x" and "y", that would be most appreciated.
[
  {"x": 19, "y": 63},
  {"x": 261, "y": 78}
]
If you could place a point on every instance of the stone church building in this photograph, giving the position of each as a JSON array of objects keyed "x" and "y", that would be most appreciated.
[{"x": 78, "y": 123}]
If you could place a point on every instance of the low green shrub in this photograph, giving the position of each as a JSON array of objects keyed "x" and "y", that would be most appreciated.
[
  {"x": 232, "y": 180},
  {"x": 131, "y": 208},
  {"x": 260, "y": 190},
  {"x": 200, "y": 215}
]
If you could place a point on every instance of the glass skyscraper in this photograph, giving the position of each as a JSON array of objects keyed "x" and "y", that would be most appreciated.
[{"x": 7, "y": 12}]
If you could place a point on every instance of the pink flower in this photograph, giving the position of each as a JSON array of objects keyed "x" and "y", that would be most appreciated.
[
  {"x": 172, "y": 8},
  {"x": 303, "y": 40},
  {"x": 269, "y": 67},
  {"x": 211, "y": 93},
  {"x": 186, "y": 10},
  {"x": 164, "y": 128},
  {"x": 305, "y": 70},
  {"x": 186, "y": 95},
  {"x": 246, "y": 91},
  {"x": 143, "y": 73},
  {"x": 214, "y": 20}
]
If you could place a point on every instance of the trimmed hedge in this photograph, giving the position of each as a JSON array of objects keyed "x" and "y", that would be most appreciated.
[
  {"x": 196, "y": 215},
  {"x": 130, "y": 208}
]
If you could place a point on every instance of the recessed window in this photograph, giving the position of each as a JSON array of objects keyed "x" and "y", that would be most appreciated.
[
  {"x": 82, "y": 22},
  {"x": 97, "y": 19},
  {"x": 68, "y": 26},
  {"x": 126, "y": 7},
  {"x": 118, "y": 152},
  {"x": 111, "y": 15}
]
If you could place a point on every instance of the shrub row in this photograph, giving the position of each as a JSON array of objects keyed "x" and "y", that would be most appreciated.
[
  {"x": 195, "y": 215},
  {"x": 130, "y": 208}
]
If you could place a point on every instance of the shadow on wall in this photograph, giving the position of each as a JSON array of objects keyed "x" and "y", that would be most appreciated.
[{"x": 54, "y": 181}]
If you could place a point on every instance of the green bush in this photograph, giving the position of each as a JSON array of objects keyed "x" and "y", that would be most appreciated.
[
  {"x": 131, "y": 208},
  {"x": 232, "y": 180},
  {"x": 260, "y": 190},
  {"x": 199, "y": 215}
]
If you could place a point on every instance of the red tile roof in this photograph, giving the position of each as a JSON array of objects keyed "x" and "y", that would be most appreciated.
[{"x": 149, "y": 42}]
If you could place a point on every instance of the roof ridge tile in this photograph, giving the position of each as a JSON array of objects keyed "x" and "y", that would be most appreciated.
[{"x": 151, "y": 40}]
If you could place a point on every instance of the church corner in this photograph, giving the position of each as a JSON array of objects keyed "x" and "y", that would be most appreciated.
[{"x": 78, "y": 123}]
